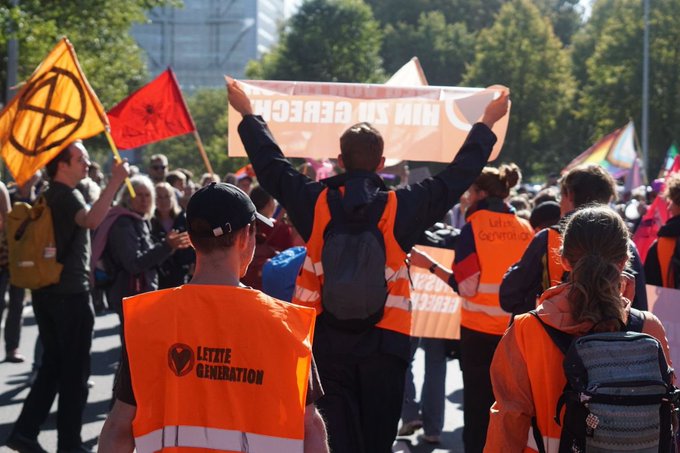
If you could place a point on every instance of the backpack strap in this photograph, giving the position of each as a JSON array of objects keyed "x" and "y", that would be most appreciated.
[
  {"x": 562, "y": 340},
  {"x": 373, "y": 211},
  {"x": 334, "y": 200},
  {"x": 635, "y": 320}
]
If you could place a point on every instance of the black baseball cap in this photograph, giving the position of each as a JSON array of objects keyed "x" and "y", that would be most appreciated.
[{"x": 224, "y": 207}]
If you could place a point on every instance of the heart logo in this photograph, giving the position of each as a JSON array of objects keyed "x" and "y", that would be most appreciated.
[{"x": 180, "y": 359}]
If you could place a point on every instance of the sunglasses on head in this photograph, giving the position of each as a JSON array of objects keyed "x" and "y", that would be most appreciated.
[{"x": 159, "y": 167}]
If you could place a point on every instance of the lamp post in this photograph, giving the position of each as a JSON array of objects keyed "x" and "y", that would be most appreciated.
[{"x": 645, "y": 89}]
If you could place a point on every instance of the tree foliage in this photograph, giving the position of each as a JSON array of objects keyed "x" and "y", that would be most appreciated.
[
  {"x": 443, "y": 48},
  {"x": 327, "y": 40},
  {"x": 109, "y": 56},
  {"x": 612, "y": 91},
  {"x": 521, "y": 51}
]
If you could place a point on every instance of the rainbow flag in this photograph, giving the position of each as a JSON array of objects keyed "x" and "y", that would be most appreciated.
[{"x": 615, "y": 152}]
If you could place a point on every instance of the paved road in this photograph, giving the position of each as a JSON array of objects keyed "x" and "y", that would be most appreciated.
[{"x": 105, "y": 353}]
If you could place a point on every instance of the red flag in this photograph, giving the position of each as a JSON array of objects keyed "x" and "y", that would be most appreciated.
[{"x": 154, "y": 112}]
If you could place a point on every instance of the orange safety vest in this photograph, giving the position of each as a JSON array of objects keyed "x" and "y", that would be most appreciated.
[
  {"x": 665, "y": 247},
  {"x": 500, "y": 240},
  {"x": 397, "y": 313},
  {"x": 552, "y": 264},
  {"x": 218, "y": 368},
  {"x": 546, "y": 374}
]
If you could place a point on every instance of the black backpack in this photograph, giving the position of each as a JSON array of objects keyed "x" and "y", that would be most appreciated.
[
  {"x": 353, "y": 257},
  {"x": 619, "y": 394}
]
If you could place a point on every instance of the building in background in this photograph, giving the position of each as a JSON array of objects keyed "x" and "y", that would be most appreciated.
[{"x": 207, "y": 39}]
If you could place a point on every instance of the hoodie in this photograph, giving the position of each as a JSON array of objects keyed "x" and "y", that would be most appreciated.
[{"x": 515, "y": 393}]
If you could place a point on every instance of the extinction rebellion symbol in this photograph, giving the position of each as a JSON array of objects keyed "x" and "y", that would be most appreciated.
[
  {"x": 48, "y": 126},
  {"x": 180, "y": 359}
]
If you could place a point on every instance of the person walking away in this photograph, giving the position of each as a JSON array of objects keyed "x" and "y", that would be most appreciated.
[
  {"x": 492, "y": 239},
  {"x": 362, "y": 354},
  {"x": 216, "y": 365},
  {"x": 527, "y": 370},
  {"x": 662, "y": 265},
  {"x": 539, "y": 268}
]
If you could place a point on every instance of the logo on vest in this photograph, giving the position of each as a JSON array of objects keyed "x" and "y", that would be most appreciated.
[{"x": 180, "y": 359}]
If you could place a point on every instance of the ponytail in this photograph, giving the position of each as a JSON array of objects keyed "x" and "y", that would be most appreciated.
[
  {"x": 497, "y": 182},
  {"x": 595, "y": 244},
  {"x": 595, "y": 294}
]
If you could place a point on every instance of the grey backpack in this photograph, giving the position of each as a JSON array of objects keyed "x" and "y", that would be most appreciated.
[
  {"x": 619, "y": 395},
  {"x": 354, "y": 289}
]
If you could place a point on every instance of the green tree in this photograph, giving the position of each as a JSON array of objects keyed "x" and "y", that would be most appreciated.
[
  {"x": 327, "y": 40},
  {"x": 476, "y": 14},
  {"x": 521, "y": 51},
  {"x": 612, "y": 92},
  {"x": 565, "y": 15},
  {"x": 110, "y": 58},
  {"x": 443, "y": 49}
]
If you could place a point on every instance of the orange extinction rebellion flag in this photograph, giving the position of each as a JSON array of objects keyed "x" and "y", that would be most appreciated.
[{"x": 53, "y": 108}]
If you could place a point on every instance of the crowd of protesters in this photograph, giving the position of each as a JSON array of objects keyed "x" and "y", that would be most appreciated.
[{"x": 141, "y": 244}]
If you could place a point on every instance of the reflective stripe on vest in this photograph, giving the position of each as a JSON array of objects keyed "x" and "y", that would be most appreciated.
[
  {"x": 487, "y": 309},
  {"x": 306, "y": 295},
  {"x": 214, "y": 439},
  {"x": 500, "y": 240},
  {"x": 665, "y": 247},
  {"x": 397, "y": 313},
  {"x": 310, "y": 266},
  {"x": 214, "y": 375},
  {"x": 553, "y": 265},
  {"x": 551, "y": 444}
]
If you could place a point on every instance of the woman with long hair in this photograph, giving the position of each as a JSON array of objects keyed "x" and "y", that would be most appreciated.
[
  {"x": 527, "y": 370},
  {"x": 129, "y": 253},
  {"x": 492, "y": 239}
]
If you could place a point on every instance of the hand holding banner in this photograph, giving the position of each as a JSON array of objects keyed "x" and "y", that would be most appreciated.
[{"x": 417, "y": 123}]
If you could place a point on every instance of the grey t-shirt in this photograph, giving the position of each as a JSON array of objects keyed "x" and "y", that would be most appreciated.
[{"x": 73, "y": 241}]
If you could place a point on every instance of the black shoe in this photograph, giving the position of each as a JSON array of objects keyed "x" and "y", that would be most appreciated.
[
  {"x": 14, "y": 357},
  {"x": 23, "y": 444}
]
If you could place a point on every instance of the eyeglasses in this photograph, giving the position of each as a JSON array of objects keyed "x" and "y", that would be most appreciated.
[{"x": 159, "y": 167}]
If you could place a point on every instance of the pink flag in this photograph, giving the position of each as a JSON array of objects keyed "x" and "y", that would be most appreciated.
[{"x": 656, "y": 215}]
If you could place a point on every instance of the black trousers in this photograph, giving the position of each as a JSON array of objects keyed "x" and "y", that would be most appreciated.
[
  {"x": 362, "y": 400},
  {"x": 15, "y": 308},
  {"x": 476, "y": 352},
  {"x": 65, "y": 324}
]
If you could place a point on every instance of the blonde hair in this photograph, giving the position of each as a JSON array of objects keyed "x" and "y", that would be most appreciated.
[
  {"x": 125, "y": 200},
  {"x": 595, "y": 244},
  {"x": 175, "y": 208}
]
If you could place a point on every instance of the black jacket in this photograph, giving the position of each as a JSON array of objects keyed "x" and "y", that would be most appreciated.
[
  {"x": 652, "y": 266},
  {"x": 419, "y": 206}
]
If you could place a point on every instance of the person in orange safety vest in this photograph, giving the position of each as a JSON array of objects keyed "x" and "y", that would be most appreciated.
[
  {"x": 489, "y": 243},
  {"x": 660, "y": 268},
  {"x": 527, "y": 369},
  {"x": 214, "y": 365},
  {"x": 363, "y": 366}
]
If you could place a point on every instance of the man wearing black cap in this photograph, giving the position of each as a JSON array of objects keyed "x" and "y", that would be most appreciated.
[
  {"x": 362, "y": 368},
  {"x": 214, "y": 364}
]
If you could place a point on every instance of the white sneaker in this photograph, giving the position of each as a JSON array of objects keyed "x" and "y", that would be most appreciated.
[{"x": 408, "y": 428}]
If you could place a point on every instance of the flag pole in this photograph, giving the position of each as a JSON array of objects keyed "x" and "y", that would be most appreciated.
[
  {"x": 199, "y": 143},
  {"x": 117, "y": 158}
]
